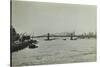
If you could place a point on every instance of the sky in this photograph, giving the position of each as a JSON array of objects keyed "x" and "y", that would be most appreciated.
[{"x": 42, "y": 18}]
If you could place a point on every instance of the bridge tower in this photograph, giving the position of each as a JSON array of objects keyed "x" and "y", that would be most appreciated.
[
  {"x": 48, "y": 36},
  {"x": 71, "y": 37}
]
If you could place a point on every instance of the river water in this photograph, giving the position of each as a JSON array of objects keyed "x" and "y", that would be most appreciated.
[{"x": 56, "y": 51}]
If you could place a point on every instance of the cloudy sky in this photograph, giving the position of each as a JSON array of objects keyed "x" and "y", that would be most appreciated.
[{"x": 42, "y": 18}]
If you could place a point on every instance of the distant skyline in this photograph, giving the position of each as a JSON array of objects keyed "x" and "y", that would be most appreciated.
[{"x": 41, "y": 18}]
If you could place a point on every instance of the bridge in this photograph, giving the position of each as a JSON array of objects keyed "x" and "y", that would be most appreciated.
[{"x": 71, "y": 36}]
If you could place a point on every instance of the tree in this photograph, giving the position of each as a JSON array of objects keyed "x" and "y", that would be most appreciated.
[{"x": 13, "y": 35}]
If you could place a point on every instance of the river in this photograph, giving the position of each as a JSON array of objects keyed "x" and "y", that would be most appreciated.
[{"x": 56, "y": 52}]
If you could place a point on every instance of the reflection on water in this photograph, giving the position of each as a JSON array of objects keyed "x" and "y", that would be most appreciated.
[{"x": 57, "y": 51}]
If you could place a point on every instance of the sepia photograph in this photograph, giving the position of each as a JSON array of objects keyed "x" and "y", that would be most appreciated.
[{"x": 43, "y": 33}]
